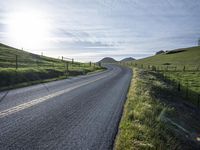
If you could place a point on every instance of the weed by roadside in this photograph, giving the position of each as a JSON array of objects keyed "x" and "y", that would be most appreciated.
[{"x": 150, "y": 121}]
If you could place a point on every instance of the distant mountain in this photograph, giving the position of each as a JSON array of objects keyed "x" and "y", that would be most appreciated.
[
  {"x": 108, "y": 60},
  {"x": 127, "y": 59}
]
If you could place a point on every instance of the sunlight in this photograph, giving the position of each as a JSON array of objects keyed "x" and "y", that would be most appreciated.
[{"x": 28, "y": 29}]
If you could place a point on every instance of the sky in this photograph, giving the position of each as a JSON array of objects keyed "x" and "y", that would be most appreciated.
[{"x": 88, "y": 30}]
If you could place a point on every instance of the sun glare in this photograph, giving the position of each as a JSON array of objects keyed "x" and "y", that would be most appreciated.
[{"x": 29, "y": 29}]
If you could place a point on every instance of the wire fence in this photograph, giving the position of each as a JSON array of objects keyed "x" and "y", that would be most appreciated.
[
  {"x": 184, "y": 88},
  {"x": 24, "y": 69},
  {"x": 174, "y": 75},
  {"x": 165, "y": 67},
  {"x": 36, "y": 61}
]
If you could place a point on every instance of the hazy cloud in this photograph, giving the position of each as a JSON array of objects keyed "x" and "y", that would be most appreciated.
[{"x": 106, "y": 27}]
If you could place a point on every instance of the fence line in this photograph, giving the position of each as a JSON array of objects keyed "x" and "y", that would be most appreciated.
[
  {"x": 17, "y": 61},
  {"x": 165, "y": 71},
  {"x": 185, "y": 91}
]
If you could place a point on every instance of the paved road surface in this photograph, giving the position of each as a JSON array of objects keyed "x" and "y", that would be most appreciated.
[{"x": 77, "y": 113}]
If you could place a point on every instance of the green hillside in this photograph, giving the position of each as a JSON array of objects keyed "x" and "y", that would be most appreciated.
[
  {"x": 19, "y": 68},
  {"x": 180, "y": 67},
  {"x": 162, "y": 102},
  {"x": 25, "y": 59},
  {"x": 186, "y": 56}
]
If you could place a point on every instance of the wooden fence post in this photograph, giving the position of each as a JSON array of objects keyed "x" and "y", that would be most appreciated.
[
  {"x": 184, "y": 68},
  {"x": 67, "y": 67},
  {"x": 187, "y": 91},
  {"x": 53, "y": 65},
  {"x": 16, "y": 62},
  {"x": 179, "y": 86}
]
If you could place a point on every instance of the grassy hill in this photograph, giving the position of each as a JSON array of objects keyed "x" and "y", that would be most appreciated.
[
  {"x": 163, "y": 102},
  {"x": 107, "y": 60},
  {"x": 19, "y": 68},
  {"x": 25, "y": 59},
  {"x": 127, "y": 59},
  {"x": 182, "y": 66},
  {"x": 186, "y": 56}
]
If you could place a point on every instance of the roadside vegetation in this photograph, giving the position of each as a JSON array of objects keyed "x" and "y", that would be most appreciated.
[
  {"x": 20, "y": 68},
  {"x": 187, "y": 83},
  {"x": 140, "y": 127},
  {"x": 155, "y": 118},
  {"x": 181, "y": 68},
  {"x": 163, "y": 105}
]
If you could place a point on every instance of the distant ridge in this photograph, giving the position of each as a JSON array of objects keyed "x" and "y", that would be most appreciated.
[
  {"x": 127, "y": 59},
  {"x": 107, "y": 60}
]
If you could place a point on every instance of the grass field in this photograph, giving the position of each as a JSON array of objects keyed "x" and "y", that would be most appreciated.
[
  {"x": 152, "y": 118},
  {"x": 189, "y": 84},
  {"x": 21, "y": 67},
  {"x": 190, "y": 79},
  {"x": 180, "y": 66},
  {"x": 189, "y": 57},
  {"x": 157, "y": 114},
  {"x": 29, "y": 60},
  {"x": 140, "y": 127}
]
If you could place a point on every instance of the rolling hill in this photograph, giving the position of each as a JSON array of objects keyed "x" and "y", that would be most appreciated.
[
  {"x": 25, "y": 59},
  {"x": 127, "y": 59},
  {"x": 186, "y": 56},
  {"x": 107, "y": 60},
  {"x": 20, "y": 68}
]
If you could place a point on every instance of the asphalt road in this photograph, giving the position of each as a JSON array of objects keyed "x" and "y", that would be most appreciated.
[{"x": 76, "y": 113}]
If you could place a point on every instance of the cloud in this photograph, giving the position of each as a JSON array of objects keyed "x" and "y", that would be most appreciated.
[
  {"x": 113, "y": 27},
  {"x": 2, "y": 26},
  {"x": 86, "y": 44}
]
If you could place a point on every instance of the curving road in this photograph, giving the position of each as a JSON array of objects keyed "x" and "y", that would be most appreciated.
[{"x": 76, "y": 113}]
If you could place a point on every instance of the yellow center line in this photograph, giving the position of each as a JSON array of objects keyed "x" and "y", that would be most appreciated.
[{"x": 34, "y": 102}]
